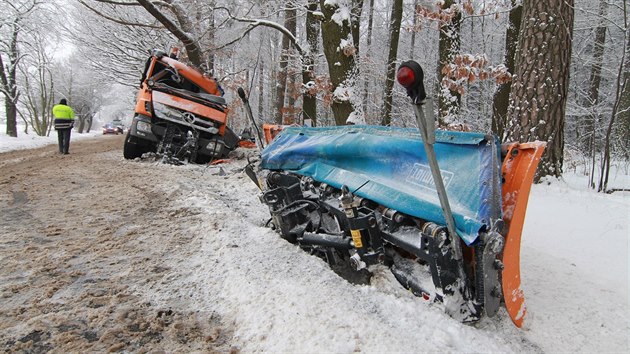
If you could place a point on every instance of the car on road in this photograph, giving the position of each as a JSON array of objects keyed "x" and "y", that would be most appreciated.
[
  {"x": 111, "y": 129},
  {"x": 119, "y": 125}
]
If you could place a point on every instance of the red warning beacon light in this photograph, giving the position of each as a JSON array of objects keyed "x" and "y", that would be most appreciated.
[
  {"x": 405, "y": 76},
  {"x": 411, "y": 77}
]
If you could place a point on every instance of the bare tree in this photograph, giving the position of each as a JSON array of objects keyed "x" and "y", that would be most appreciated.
[
  {"x": 38, "y": 85},
  {"x": 190, "y": 22},
  {"x": 449, "y": 43},
  {"x": 394, "y": 30},
  {"x": 366, "y": 85},
  {"x": 412, "y": 46},
  {"x": 84, "y": 94},
  {"x": 182, "y": 31},
  {"x": 355, "y": 11},
  {"x": 588, "y": 125},
  {"x": 339, "y": 50},
  {"x": 622, "y": 103},
  {"x": 309, "y": 98},
  {"x": 290, "y": 24},
  {"x": 622, "y": 96},
  {"x": 501, "y": 100},
  {"x": 13, "y": 24},
  {"x": 113, "y": 40},
  {"x": 620, "y": 109},
  {"x": 8, "y": 75}
]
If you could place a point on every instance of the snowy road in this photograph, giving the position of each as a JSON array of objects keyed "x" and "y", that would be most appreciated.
[
  {"x": 84, "y": 238},
  {"x": 137, "y": 256}
]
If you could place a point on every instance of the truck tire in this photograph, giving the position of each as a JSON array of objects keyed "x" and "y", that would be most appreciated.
[{"x": 132, "y": 148}]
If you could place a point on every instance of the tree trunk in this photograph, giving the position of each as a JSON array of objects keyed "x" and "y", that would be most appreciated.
[
  {"x": 623, "y": 111},
  {"x": 291, "y": 114},
  {"x": 8, "y": 78},
  {"x": 81, "y": 125},
  {"x": 623, "y": 114},
  {"x": 309, "y": 99},
  {"x": 412, "y": 46},
  {"x": 261, "y": 91},
  {"x": 281, "y": 86},
  {"x": 501, "y": 99},
  {"x": 357, "y": 8},
  {"x": 193, "y": 50},
  {"x": 589, "y": 126},
  {"x": 11, "y": 114},
  {"x": 394, "y": 32},
  {"x": 539, "y": 91},
  {"x": 37, "y": 87},
  {"x": 621, "y": 103},
  {"x": 341, "y": 63},
  {"x": 448, "y": 47},
  {"x": 211, "y": 30},
  {"x": 366, "y": 87},
  {"x": 598, "y": 55}
]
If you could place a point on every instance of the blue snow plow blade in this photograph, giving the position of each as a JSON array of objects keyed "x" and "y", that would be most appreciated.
[{"x": 389, "y": 166}]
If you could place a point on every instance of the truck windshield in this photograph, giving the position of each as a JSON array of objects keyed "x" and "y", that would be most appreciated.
[{"x": 166, "y": 75}]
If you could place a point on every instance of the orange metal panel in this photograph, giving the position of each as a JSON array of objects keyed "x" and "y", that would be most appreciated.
[
  {"x": 271, "y": 130},
  {"x": 189, "y": 106},
  {"x": 518, "y": 172},
  {"x": 144, "y": 95}
]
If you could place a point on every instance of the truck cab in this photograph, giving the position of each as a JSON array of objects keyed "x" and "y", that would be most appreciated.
[{"x": 180, "y": 113}]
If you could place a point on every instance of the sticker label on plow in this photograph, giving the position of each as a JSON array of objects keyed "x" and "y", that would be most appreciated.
[{"x": 420, "y": 175}]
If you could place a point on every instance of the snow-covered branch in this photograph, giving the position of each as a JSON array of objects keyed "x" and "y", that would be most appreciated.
[
  {"x": 116, "y": 20},
  {"x": 253, "y": 23},
  {"x": 122, "y": 3}
]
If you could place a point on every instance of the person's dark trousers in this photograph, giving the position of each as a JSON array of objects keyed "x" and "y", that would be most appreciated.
[{"x": 63, "y": 136}]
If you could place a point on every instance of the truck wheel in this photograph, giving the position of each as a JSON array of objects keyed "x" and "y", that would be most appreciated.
[{"x": 132, "y": 148}]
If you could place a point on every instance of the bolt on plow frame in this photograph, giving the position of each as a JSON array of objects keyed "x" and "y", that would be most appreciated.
[{"x": 443, "y": 210}]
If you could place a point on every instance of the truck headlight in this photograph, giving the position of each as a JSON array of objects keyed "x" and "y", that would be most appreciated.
[{"x": 143, "y": 127}]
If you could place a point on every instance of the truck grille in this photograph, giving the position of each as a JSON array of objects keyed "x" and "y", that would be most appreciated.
[{"x": 189, "y": 119}]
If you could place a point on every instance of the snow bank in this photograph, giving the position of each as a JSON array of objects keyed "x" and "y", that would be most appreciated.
[
  {"x": 574, "y": 268},
  {"x": 32, "y": 140}
]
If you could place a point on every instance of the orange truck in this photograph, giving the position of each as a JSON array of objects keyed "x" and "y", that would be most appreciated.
[{"x": 180, "y": 114}]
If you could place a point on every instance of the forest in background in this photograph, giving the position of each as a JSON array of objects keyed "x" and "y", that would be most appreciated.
[{"x": 557, "y": 70}]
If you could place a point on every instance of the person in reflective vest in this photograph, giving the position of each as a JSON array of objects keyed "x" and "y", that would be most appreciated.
[{"x": 64, "y": 121}]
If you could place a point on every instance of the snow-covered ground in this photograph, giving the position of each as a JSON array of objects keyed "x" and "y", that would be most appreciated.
[
  {"x": 575, "y": 279},
  {"x": 32, "y": 140},
  {"x": 574, "y": 264}
]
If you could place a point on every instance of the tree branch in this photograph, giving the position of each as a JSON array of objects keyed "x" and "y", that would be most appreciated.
[
  {"x": 122, "y": 3},
  {"x": 192, "y": 47},
  {"x": 116, "y": 20},
  {"x": 257, "y": 22}
]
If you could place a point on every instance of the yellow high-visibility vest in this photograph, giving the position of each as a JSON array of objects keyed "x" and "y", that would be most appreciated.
[{"x": 61, "y": 111}]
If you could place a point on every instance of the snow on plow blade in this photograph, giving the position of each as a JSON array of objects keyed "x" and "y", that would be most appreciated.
[{"x": 365, "y": 194}]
